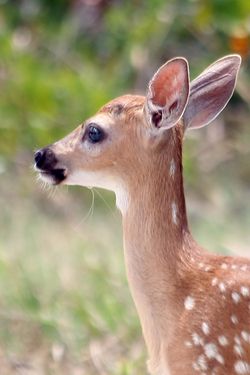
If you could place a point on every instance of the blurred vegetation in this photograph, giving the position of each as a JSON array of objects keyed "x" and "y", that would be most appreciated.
[
  {"x": 61, "y": 60},
  {"x": 65, "y": 307}
]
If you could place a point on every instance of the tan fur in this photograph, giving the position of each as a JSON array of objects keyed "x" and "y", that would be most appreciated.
[{"x": 164, "y": 264}]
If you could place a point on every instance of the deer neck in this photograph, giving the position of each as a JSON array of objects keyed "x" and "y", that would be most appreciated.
[{"x": 155, "y": 236}]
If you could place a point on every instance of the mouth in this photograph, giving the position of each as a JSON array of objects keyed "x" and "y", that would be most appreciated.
[{"x": 54, "y": 176}]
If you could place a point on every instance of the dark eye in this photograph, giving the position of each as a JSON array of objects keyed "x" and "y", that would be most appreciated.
[{"x": 95, "y": 134}]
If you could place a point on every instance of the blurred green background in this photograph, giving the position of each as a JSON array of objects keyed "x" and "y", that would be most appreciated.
[{"x": 65, "y": 307}]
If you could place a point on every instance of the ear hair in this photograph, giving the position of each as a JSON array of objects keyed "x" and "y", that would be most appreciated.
[{"x": 168, "y": 93}]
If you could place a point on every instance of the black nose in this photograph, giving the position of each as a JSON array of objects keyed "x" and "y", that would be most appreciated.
[{"x": 45, "y": 159}]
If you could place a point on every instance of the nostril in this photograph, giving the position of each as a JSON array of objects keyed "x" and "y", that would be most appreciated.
[{"x": 39, "y": 158}]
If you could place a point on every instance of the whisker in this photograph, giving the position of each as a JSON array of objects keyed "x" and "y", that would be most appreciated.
[
  {"x": 52, "y": 191},
  {"x": 106, "y": 203},
  {"x": 89, "y": 213}
]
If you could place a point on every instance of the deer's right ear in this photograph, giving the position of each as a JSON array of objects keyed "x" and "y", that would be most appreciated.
[{"x": 168, "y": 93}]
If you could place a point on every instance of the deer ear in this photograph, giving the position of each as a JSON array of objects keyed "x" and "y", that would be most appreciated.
[
  {"x": 211, "y": 91},
  {"x": 168, "y": 94}
]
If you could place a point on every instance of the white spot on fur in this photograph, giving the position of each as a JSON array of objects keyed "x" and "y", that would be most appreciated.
[
  {"x": 220, "y": 359},
  {"x": 172, "y": 168},
  {"x": 174, "y": 213},
  {"x": 189, "y": 303},
  {"x": 246, "y": 336},
  {"x": 222, "y": 287},
  {"x": 233, "y": 266},
  {"x": 238, "y": 350},
  {"x": 224, "y": 266},
  {"x": 236, "y": 297},
  {"x": 223, "y": 341},
  {"x": 207, "y": 268},
  {"x": 202, "y": 362},
  {"x": 242, "y": 367},
  {"x": 214, "y": 281},
  {"x": 188, "y": 344},
  {"x": 237, "y": 340},
  {"x": 245, "y": 291},
  {"x": 195, "y": 366},
  {"x": 234, "y": 319},
  {"x": 211, "y": 350},
  {"x": 197, "y": 340},
  {"x": 205, "y": 328},
  {"x": 244, "y": 267}
]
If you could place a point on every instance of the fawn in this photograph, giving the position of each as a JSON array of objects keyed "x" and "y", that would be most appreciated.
[{"x": 194, "y": 306}]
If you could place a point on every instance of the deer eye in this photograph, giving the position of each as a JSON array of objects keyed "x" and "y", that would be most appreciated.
[{"x": 94, "y": 134}]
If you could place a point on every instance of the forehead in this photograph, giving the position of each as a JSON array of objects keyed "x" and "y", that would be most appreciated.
[
  {"x": 123, "y": 108},
  {"x": 124, "y": 103}
]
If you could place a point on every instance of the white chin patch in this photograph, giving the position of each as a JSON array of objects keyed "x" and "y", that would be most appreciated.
[
  {"x": 101, "y": 180},
  {"x": 48, "y": 179}
]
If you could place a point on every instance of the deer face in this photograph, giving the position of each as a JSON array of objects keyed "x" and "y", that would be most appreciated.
[
  {"x": 101, "y": 150},
  {"x": 114, "y": 143}
]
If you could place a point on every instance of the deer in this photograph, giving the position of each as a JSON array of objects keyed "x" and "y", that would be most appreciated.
[{"x": 193, "y": 305}]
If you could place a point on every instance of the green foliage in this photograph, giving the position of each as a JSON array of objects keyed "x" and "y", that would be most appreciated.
[{"x": 60, "y": 61}]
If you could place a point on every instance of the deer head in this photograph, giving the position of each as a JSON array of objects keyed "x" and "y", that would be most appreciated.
[{"x": 115, "y": 145}]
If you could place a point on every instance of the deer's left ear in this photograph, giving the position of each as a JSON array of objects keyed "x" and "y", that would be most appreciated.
[{"x": 168, "y": 94}]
